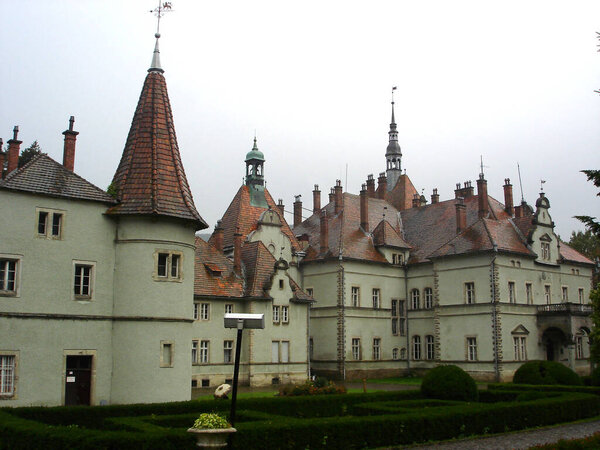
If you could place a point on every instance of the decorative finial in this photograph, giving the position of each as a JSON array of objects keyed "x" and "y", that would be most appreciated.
[
  {"x": 71, "y": 121},
  {"x": 481, "y": 176},
  {"x": 15, "y": 132},
  {"x": 542, "y": 185},
  {"x": 159, "y": 11}
]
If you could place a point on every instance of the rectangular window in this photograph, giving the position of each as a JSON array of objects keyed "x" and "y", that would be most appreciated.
[
  {"x": 8, "y": 276},
  {"x": 309, "y": 291},
  {"x": 204, "y": 356},
  {"x": 429, "y": 347},
  {"x": 401, "y": 317},
  {"x": 579, "y": 347},
  {"x": 376, "y": 297},
  {"x": 512, "y": 296},
  {"x": 56, "y": 224},
  {"x": 194, "y": 352},
  {"x": 275, "y": 314},
  {"x": 428, "y": 298},
  {"x": 285, "y": 351},
  {"x": 311, "y": 348},
  {"x": 166, "y": 354},
  {"x": 168, "y": 266},
  {"x": 416, "y": 348},
  {"x": 49, "y": 224},
  {"x": 397, "y": 258},
  {"x": 547, "y": 294},
  {"x": 356, "y": 353},
  {"x": 42, "y": 222},
  {"x": 546, "y": 251},
  {"x": 376, "y": 348},
  {"x": 82, "y": 286},
  {"x": 7, "y": 375},
  {"x": 470, "y": 293},
  {"x": 565, "y": 294},
  {"x": 227, "y": 352},
  {"x": 285, "y": 316},
  {"x": 415, "y": 299},
  {"x": 394, "y": 317},
  {"x": 275, "y": 351},
  {"x": 581, "y": 295},
  {"x": 529, "y": 293},
  {"x": 280, "y": 351},
  {"x": 196, "y": 311},
  {"x": 520, "y": 348},
  {"x": 355, "y": 294},
  {"x": 471, "y": 349},
  {"x": 228, "y": 308},
  {"x": 205, "y": 311}
]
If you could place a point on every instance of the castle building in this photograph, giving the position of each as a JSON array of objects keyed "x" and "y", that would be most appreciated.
[
  {"x": 250, "y": 265},
  {"x": 95, "y": 289},
  {"x": 402, "y": 287}
]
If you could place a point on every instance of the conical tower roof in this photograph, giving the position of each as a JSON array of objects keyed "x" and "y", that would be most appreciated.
[{"x": 150, "y": 179}]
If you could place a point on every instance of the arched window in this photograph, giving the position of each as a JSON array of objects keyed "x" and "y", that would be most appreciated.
[
  {"x": 395, "y": 353},
  {"x": 415, "y": 299},
  {"x": 416, "y": 348},
  {"x": 402, "y": 353}
]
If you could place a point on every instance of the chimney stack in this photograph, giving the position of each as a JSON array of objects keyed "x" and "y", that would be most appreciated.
[
  {"x": 331, "y": 195},
  {"x": 435, "y": 197},
  {"x": 218, "y": 237},
  {"x": 316, "y": 199},
  {"x": 69, "y": 148},
  {"x": 382, "y": 185},
  {"x": 371, "y": 186},
  {"x": 464, "y": 192},
  {"x": 237, "y": 251},
  {"x": 13, "y": 151},
  {"x": 280, "y": 206},
  {"x": 508, "y": 198},
  {"x": 461, "y": 215},
  {"x": 482, "y": 196},
  {"x": 416, "y": 201},
  {"x": 2, "y": 158},
  {"x": 297, "y": 210},
  {"x": 324, "y": 232},
  {"x": 364, "y": 209},
  {"x": 339, "y": 199}
]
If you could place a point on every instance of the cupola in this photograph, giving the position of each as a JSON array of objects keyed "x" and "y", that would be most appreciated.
[{"x": 255, "y": 180}]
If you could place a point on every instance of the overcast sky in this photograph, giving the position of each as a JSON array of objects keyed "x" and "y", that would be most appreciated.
[{"x": 512, "y": 81}]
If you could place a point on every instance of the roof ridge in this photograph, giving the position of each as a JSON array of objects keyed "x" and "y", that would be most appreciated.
[
  {"x": 489, "y": 234},
  {"x": 18, "y": 170}
]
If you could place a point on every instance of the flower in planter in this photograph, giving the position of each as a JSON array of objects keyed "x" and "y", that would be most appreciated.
[{"x": 211, "y": 421}]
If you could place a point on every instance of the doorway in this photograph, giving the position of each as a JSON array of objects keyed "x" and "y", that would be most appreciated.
[{"x": 78, "y": 380}]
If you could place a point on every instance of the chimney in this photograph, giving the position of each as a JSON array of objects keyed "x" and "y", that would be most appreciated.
[
  {"x": 297, "y": 210},
  {"x": 69, "y": 148},
  {"x": 464, "y": 192},
  {"x": 13, "y": 151},
  {"x": 237, "y": 251},
  {"x": 316, "y": 199},
  {"x": 371, "y": 186},
  {"x": 280, "y": 206},
  {"x": 218, "y": 237},
  {"x": 416, "y": 201},
  {"x": 435, "y": 197},
  {"x": 508, "y": 198},
  {"x": 331, "y": 195},
  {"x": 364, "y": 209},
  {"x": 324, "y": 232},
  {"x": 382, "y": 185},
  {"x": 482, "y": 196},
  {"x": 461, "y": 215},
  {"x": 339, "y": 199}
]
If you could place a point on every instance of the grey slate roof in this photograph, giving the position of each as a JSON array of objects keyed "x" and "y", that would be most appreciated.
[{"x": 42, "y": 175}]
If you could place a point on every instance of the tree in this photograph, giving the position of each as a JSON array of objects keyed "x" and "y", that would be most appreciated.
[
  {"x": 595, "y": 333},
  {"x": 27, "y": 155},
  {"x": 590, "y": 222},
  {"x": 586, "y": 243}
]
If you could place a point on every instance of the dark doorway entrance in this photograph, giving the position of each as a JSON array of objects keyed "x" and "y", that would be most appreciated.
[
  {"x": 78, "y": 380},
  {"x": 554, "y": 339}
]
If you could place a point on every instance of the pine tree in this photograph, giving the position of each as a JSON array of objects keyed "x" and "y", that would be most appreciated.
[{"x": 27, "y": 155}]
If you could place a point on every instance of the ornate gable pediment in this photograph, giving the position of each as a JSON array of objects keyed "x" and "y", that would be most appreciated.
[
  {"x": 546, "y": 238},
  {"x": 520, "y": 329}
]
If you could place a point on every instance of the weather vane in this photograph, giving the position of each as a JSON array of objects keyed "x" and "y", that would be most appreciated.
[
  {"x": 542, "y": 185},
  {"x": 393, "y": 89},
  {"x": 160, "y": 11}
]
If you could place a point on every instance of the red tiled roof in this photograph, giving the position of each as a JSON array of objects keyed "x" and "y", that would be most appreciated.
[
  {"x": 402, "y": 194},
  {"x": 150, "y": 178},
  {"x": 384, "y": 234},
  {"x": 206, "y": 262},
  {"x": 524, "y": 224},
  {"x": 572, "y": 255},
  {"x": 43, "y": 175},
  {"x": 243, "y": 216}
]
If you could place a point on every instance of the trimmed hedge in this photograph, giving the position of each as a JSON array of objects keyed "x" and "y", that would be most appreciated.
[
  {"x": 545, "y": 373},
  {"x": 549, "y": 388},
  {"x": 337, "y": 421},
  {"x": 449, "y": 383}
]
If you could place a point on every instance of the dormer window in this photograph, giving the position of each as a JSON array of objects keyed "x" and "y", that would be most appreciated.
[
  {"x": 214, "y": 270},
  {"x": 546, "y": 251}
]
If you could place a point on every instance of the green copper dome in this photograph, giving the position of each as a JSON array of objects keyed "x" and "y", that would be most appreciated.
[{"x": 255, "y": 153}]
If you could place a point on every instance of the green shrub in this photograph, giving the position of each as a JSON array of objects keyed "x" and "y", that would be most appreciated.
[
  {"x": 595, "y": 377},
  {"x": 546, "y": 373},
  {"x": 449, "y": 383},
  {"x": 312, "y": 388}
]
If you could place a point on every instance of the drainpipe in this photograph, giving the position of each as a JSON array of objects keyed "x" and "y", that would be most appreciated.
[
  {"x": 495, "y": 318},
  {"x": 342, "y": 313},
  {"x": 406, "y": 309}
]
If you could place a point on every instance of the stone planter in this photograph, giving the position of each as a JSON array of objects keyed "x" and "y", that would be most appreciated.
[{"x": 212, "y": 438}]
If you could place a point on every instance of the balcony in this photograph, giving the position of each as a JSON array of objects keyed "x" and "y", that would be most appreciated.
[{"x": 574, "y": 309}]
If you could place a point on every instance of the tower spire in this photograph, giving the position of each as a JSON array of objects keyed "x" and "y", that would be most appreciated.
[
  {"x": 393, "y": 154},
  {"x": 159, "y": 11}
]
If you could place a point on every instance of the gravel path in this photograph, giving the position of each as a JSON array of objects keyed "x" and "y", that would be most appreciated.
[{"x": 521, "y": 439}]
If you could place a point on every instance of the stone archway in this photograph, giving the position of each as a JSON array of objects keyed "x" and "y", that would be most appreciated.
[{"x": 554, "y": 340}]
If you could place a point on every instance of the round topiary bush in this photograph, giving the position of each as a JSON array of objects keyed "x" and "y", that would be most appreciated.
[
  {"x": 546, "y": 372},
  {"x": 449, "y": 383}
]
